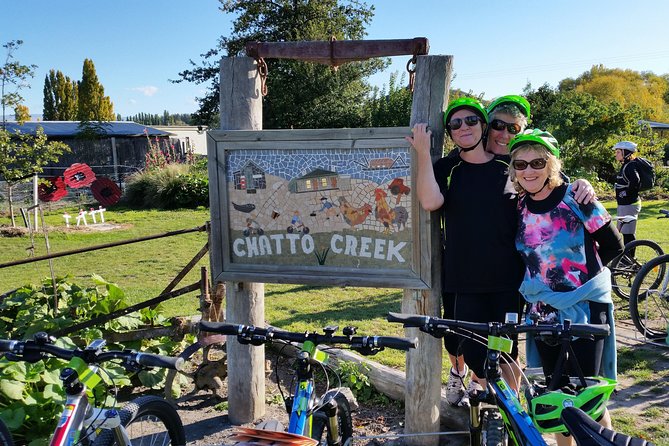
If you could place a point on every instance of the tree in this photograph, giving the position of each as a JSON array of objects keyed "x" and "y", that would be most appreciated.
[
  {"x": 391, "y": 109},
  {"x": 301, "y": 94},
  {"x": 626, "y": 87},
  {"x": 60, "y": 97},
  {"x": 13, "y": 78},
  {"x": 93, "y": 105},
  {"x": 21, "y": 113},
  {"x": 22, "y": 156}
]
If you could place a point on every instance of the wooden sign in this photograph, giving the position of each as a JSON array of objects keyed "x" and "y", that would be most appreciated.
[{"x": 326, "y": 207}]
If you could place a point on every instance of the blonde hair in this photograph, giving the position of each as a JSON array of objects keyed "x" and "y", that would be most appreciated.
[{"x": 553, "y": 164}]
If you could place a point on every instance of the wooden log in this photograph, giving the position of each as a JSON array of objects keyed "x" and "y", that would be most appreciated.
[
  {"x": 241, "y": 109},
  {"x": 423, "y": 404}
]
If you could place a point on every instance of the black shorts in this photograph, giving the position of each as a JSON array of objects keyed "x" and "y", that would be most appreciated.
[{"x": 478, "y": 307}]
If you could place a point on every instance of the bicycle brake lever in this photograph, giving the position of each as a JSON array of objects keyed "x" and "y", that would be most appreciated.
[{"x": 368, "y": 351}]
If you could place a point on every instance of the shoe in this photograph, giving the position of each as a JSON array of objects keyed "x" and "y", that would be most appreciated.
[
  {"x": 474, "y": 388},
  {"x": 455, "y": 389}
]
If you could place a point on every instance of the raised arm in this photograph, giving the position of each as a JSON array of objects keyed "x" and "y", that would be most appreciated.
[{"x": 428, "y": 191}]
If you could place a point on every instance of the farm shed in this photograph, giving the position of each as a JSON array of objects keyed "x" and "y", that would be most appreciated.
[{"x": 118, "y": 150}]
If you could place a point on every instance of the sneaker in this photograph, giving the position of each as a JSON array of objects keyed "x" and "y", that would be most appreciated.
[
  {"x": 474, "y": 388},
  {"x": 456, "y": 394}
]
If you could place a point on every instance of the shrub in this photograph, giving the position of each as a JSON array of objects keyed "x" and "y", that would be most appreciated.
[{"x": 173, "y": 186}]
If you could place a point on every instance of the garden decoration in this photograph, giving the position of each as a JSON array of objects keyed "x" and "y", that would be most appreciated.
[
  {"x": 79, "y": 175},
  {"x": 105, "y": 191},
  {"x": 82, "y": 217},
  {"x": 52, "y": 189}
]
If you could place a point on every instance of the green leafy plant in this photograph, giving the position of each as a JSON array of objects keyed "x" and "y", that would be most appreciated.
[
  {"x": 31, "y": 394},
  {"x": 353, "y": 376}
]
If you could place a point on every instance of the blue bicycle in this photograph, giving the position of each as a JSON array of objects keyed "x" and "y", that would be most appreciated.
[
  {"x": 325, "y": 418},
  {"x": 497, "y": 416}
]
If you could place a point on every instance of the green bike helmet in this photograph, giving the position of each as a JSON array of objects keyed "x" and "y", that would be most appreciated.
[
  {"x": 516, "y": 100},
  {"x": 465, "y": 102},
  {"x": 546, "y": 409},
  {"x": 535, "y": 136}
]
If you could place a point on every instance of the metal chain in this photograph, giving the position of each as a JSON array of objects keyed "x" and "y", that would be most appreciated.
[
  {"x": 411, "y": 68},
  {"x": 262, "y": 72}
]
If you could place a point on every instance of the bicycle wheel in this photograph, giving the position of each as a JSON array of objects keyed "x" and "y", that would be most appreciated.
[
  {"x": 493, "y": 432},
  {"x": 148, "y": 420},
  {"x": 5, "y": 435},
  {"x": 321, "y": 426},
  {"x": 649, "y": 299},
  {"x": 626, "y": 266}
]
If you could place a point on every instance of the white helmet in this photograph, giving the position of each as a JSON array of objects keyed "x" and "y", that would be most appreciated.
[{"x": 625, "y": 145}]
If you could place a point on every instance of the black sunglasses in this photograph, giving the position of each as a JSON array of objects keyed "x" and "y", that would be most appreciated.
[
  {"x": 536, "y": 164},
  {"x": 456, "y": 123},
  {"x": 500, "y": 125}
]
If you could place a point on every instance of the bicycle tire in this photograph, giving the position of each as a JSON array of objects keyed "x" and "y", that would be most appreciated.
[
  {"x": 493, "y": 431},
  {"x": 149, "y": 420},
  {"x": 321, "y": 428},
  {"x": 625, "y": 267},
  {"x": 649, "y": 300},
  {"x": 5, "y": 435}
]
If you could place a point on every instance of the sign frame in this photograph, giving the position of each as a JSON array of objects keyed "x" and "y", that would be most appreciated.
[{"x": 225, "y": 148}]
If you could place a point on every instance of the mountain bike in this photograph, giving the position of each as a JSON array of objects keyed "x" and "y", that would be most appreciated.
[
  {"x": 145, "y": 420},
  {"x": 325, "y": 418},
  {"x": 496, "y": 415},
  {"x": 649, "y": 296},
  {"x": 625, "y": 267}
]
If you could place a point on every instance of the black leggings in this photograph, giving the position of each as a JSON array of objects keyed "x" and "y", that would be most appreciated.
[
  {"x": 478, "y": 307},
  {"x": 588, "y": 352}
]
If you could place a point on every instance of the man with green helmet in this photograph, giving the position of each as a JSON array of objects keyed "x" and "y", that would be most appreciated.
[{"x": 564, "y": 246}]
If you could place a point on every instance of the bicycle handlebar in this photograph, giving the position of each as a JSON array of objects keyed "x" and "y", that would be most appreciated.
[
  {"x": 255, "y": 335},
  {"x": 437, "y": 327},
  {"x": 24, "y": 349}
]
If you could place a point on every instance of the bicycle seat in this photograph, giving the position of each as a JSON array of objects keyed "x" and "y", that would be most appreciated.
[{"x": 587, "y": 432}]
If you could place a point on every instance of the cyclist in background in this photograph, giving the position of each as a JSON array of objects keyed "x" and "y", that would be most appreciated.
[
  {"x": 564, "y": 246},
  {"x": 627, "y": 188}
]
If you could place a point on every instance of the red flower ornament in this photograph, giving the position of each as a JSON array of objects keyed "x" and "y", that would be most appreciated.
[
  {"x": 105, "y": 191},
  {"x": 79, "y": 175},
  {"x": 52, "y": 189}
]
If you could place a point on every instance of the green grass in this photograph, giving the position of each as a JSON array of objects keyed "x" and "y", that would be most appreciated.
[{"x": 142, "y": 270}]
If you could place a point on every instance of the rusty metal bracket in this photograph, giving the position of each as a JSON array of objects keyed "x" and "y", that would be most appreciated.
[{"x": 336, "y": 52}]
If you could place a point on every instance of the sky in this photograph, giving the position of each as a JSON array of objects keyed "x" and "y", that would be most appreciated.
[{"x": 138, "y": 46}]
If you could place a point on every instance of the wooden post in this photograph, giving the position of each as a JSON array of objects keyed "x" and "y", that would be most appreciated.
[
  {"x": 241, "y": 109},
  {"x": 423, "y": 364}
]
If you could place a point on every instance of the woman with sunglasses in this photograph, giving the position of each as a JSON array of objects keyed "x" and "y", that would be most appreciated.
[
  {"x": 509, "y": 116},
  {"x": 481, "y": 269},
  {"x": 564, "y": 246}
]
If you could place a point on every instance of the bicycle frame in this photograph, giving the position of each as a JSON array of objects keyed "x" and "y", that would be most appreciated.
[
  {"x": 78, "y": 415},
  {"x": 517, "y": 421},
  {"x": 303, "y": 400}
]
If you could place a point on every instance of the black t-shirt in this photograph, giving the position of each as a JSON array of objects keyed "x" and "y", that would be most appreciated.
[{"x": 480, "y": 220}]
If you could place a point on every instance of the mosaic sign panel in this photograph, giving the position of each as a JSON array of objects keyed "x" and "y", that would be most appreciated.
[{"x": 327, "y": 207}]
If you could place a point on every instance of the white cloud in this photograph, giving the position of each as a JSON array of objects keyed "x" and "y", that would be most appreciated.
[{"x": 148, "y": 90}]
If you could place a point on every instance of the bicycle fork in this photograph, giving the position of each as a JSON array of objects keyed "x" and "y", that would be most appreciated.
[{"x": 330, "y": 409}]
